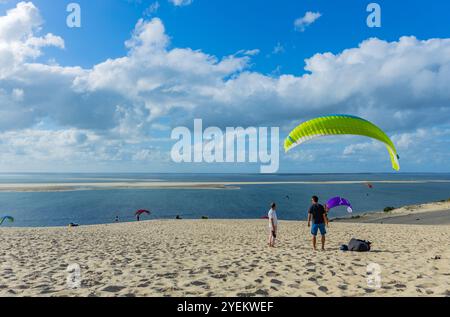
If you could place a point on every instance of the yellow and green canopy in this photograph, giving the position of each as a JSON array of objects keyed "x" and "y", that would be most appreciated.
[{"x": 340, "y": 125}]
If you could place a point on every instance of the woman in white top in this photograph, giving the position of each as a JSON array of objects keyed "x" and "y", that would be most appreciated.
[{"x": 273, "y": 225}]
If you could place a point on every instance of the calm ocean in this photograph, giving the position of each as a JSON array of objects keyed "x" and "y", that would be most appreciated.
[{"x": 249, "y": 202}]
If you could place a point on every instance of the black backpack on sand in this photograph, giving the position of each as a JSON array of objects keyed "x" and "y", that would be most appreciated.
[{"x": 359, "y": 245}]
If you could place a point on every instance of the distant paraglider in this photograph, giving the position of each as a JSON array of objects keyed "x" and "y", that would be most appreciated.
[
  {"x": 369, "y": 186},
  {"x": 338, "y": 201},
  {"x": 340, "y": 125},
  {"x": 6, "y": 218},
  {"x": 139, "y": 213}
]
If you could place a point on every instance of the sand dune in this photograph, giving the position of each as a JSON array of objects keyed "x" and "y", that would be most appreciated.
[
  {"x": 222, "y": 258},
  {"x": 436, "y": 213}
]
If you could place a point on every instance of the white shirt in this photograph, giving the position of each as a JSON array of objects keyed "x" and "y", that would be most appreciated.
[{"x": 273, "y": 215}]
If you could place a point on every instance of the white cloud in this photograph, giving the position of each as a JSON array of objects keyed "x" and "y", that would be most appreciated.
[
  {"x": 278, "y": 49},
  {"x": 152, "y": 9},
  {"x": 181, "y": 3},
  {"x": 309, "y": 18},
  {"x": 253, "y": 52},
  {"x": 362, "y": 148},
  {"x": 17, "y": 37},
  {"x": 117, "y": 102}
]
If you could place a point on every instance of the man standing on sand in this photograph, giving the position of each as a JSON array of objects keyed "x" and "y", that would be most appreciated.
[
  {"x": 273, "y": 225},
  {"x": 318, "y": 215}
]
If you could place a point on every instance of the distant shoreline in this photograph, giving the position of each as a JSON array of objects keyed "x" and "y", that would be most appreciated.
[
  {"x": 434, "y": 213},
  {"x": 67, "y": 187}
]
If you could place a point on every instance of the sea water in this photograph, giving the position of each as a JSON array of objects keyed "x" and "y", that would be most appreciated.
[{"x": 40, "y": 209}]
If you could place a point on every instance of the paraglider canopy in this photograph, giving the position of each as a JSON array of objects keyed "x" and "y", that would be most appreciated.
[
  {"x": 340, "y": 125},
  {"x": 338, "y": 201},
  {"x": 142, "y": 211},
  {"x": 4, "y": 218}
]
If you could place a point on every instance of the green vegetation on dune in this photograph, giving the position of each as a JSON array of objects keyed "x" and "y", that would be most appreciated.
[{"x": 389, "y": 209}]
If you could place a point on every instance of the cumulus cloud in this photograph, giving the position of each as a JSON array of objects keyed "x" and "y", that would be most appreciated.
[
  {"x": 116, "y": 103},
  {"x": 18, "y": 41},
  {"x": 309, "y": 18}
]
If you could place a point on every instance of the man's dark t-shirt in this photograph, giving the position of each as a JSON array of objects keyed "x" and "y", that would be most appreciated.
[{"x": 317, "y": 211}]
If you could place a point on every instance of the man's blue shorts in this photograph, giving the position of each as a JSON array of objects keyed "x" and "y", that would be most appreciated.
[{"x": 316, "y": 227}]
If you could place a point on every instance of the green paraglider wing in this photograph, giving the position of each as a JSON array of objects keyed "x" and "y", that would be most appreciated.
[
  {"x": 340, "y": 125},
  {"x": 3, "y": 219}
]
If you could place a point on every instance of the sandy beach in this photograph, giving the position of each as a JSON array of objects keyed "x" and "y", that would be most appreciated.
[{"x": 222, "y": 258}]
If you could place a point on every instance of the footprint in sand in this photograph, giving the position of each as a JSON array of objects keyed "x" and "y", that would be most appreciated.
[
  {"x": 245, "y": 295},
  {"x": 199, "y": 283},
  {"x": 219, "y": 276},
  {"x": 144, "y": 285},
  {"x": 262, "y": 292},
  {"x": 113, "y": 289},
  {"x": 426, "y": 285},
  {"x": 272, "y": 274},
  {"x": 275, "y": 281}
]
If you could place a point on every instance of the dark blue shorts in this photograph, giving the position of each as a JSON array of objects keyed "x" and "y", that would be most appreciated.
[{"x": 316, "y": 227}]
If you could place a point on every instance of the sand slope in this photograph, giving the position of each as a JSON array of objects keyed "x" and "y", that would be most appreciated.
[
  {"x": 222, "y": 258},
  {"x": 436, "y": 213}
]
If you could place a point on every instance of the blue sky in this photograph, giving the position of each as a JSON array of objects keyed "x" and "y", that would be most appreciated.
[
  {"x": 222, "y": 27},
  {"x": 189, "y": 61}
]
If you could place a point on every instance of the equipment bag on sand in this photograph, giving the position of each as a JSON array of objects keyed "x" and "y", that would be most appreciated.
[{"x": 359, "y": 245}]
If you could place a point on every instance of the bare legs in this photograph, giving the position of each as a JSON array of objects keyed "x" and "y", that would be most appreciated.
[
  {"x": 314, "y": 241},
  {"x": 271, "y": 240}
]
